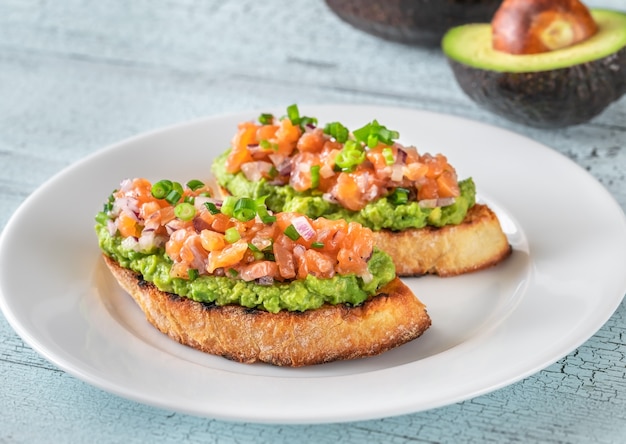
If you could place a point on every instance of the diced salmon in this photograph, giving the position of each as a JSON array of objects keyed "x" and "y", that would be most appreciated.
[
  {"x": 287, "y": 137},
  {"x": 239, "y": 153},
  {"x": 127, "y": 225},
  {"x": 231, "y": 255},
  {"x": 312, "y": 141},
  {"x": 448, "y": 185},
  {"x": 258, "y": 270},
  {"x": 212, "y": 240},
  {"x": 348, "y": 192}
]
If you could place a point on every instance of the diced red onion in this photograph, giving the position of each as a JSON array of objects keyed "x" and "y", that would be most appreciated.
[
  {"x": 174, "y": 225},
  {"x": 328, "y": 197},
  {"x": 254, "y": 148},
  {"x": 199, "y": 202},
  {"x": 255, "y": 171},
  {"x": 326, "y": 171},
  {"x": 129, "y": 205},
  {"x": 367, "y": 277},
  {"x": 434, "y": 203},
  {"x": 277, "y": 159},
  {"x": 428, "y": 203},
  {"x": 126, "y": 185},
  {"x": 397, "y": 172},
  {"x": 401, "y": 156},
  {"x": 111, "y": 227},
  {"x": 130, "y": 243},
  {"x": 265, "y": 280},
  {"x": 284, "y": 169},
  {"x": 445, "y": 201},
  {"x": 303, "y": 227},
  {"x": 147, "y": 240}
]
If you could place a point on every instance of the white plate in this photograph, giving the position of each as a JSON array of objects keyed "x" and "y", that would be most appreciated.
[{"x": 564, "y": 280}]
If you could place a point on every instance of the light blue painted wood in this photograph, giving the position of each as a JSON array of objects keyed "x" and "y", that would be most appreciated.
[{"x": 77, "y": 75}]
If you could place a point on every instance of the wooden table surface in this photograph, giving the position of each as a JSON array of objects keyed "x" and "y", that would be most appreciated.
[{"x": 78, "y": 75}]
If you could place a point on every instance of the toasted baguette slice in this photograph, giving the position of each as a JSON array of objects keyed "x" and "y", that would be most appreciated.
[
  {"x": 333, "y": 332},
  {"x": 476, "y": 243}
]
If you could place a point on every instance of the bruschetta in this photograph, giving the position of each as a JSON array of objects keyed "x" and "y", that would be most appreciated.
[
  {"x": 420, "y": 213},
  {"x": 233, "y": 279}
]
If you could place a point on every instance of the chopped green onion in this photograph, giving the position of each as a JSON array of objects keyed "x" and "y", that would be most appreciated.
[
  {"x": 231, "y": 235},
  {"x": 102, "y": 218},
  {"x": 107, "y": 207},
  {"x": 387, "y": 136},
  {"x": 315, "y": 176},
  {"x": 232, "y": 272},
  {"x": 193, "y": 274},
  {"x": 374, "y": 132},
  {"x": 388, "y": 155},
  {"x": 228, "y": 206},
  {"x": 161, "y": 189},
  {"x": 185, "y": 211},
  {"x": 189, "y": 199},
  {"x": 292, "y": 233},
  {"x": 306, "y": 121},
  {"x": 178, "y": 187},
  {"x": 372, "y": 140},
  {"x": 399, "y": 196},
  {"x": 267, "y": 145},
  {"x": 258, "y": 254},
  {"x": 317, "y": 245},
  {"x": 350, "y": 156},
  {"x": 194, "y": 184},
  {"x": 266, "y": 119},
  {"x": 293, "y": 114},
  {"x": 211, "y": 207},
  {"x": 261, "y": 210},
  {"x": 337, "y": 131},
  {"x": 173, "y": 197},
  {"x": 245, "y": 209},
  {"x": 270, "y": 256}
]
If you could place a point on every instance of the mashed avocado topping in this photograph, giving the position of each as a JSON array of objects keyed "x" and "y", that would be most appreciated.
[
  {"x": 379, "y": 214},
  {"x": 296, "y": 295}
]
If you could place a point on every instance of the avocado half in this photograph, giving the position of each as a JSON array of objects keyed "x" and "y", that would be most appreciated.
[{"x": 554, "y": 89}]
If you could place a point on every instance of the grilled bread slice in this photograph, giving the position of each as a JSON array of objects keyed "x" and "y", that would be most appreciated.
[
  {"x": 390, "y": 318},
  {"x": 476, "y": 243}
]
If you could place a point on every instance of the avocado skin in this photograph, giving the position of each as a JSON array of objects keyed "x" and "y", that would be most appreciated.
[
  {"x": 414, "y": 22},
  {"x": 547, "y": 99}
]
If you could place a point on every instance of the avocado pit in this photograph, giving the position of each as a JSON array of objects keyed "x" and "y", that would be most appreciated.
[{"x": 532, "y": 27}]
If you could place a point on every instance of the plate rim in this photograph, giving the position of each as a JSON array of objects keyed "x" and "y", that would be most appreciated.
[{"x": 111, "y": 149}]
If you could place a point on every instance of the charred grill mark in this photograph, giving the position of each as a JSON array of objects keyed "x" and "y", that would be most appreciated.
[
  {"x": 209, "y": 305},
  {"x": 141, "y": 282}
]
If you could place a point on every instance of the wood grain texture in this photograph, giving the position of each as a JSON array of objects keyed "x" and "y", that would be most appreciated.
[{"x": 77, "y": 75}]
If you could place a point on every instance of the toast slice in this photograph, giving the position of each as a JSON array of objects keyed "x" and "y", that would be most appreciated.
[
  {"x": 390, "y": 318},
  {"x": 476, "y": 243}
]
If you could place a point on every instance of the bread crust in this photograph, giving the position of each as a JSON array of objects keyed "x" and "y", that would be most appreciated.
[
  {"x": 476, "y": 243},
  {"x": 391, "y": 318}
]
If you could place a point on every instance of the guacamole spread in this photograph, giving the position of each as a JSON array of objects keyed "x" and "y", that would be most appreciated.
[
  {"x": 377, "y": 215},
  {"x": 297, "y": 295}
]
